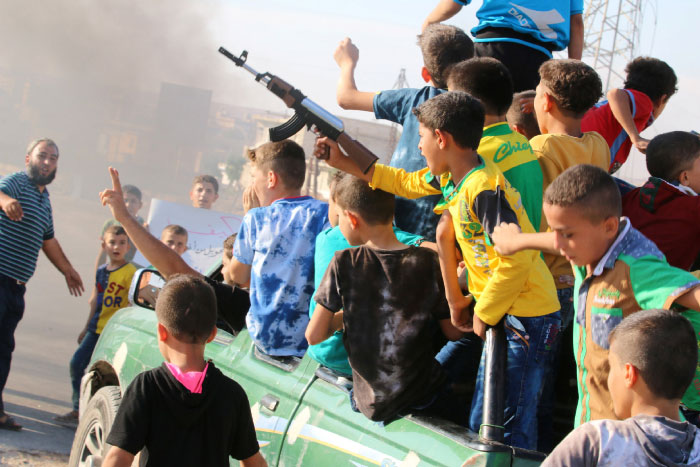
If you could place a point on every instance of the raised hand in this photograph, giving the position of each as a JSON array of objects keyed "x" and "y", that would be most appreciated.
[
  {"x": 347, "y": 54},
  {"x": 114, "y": 198},
  {"x": 250, "y": 199}
]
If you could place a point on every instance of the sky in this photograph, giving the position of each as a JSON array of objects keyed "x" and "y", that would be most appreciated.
[{"x": 132, "y": 43}]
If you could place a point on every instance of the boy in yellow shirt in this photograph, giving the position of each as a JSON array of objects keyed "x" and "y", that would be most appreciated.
[{"x": 517, "y": 288}]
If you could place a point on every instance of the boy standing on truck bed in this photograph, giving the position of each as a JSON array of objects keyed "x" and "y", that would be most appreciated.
[{"x": 110, "y": 294}]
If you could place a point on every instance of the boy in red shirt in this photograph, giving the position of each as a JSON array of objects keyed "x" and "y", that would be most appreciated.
[{"x": 649, "y": 85}]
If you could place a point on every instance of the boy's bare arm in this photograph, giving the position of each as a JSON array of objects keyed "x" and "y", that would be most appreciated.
[
  {"x": 460, "y": 312},
  {"x": 690, "y": 299},
  {"x": 165, "y": 260},
  {"x": 445, "y": 9},
  {"x": 619, "y": 102},
  {"x": 323, "y": 324},
  {"x": 338, "y": 160},
  {"x": 118, "y": 457},
  {"x": 239, "y": 273},
  {"x": 256, "y": 460},
  {"x": 349, "y": 98},
  {"x": 575, "y": 48},
  {"x": 508, "y": 239}
]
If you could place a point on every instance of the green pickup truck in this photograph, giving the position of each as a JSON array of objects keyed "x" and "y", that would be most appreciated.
[{"x": 301, "y": 410}]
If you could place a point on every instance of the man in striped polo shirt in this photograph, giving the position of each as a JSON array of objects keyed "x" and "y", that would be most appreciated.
[{"x": 26, "y": 225}]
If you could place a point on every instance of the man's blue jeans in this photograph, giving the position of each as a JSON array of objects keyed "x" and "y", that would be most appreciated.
[
  {"x": 530, "y": 342},
  {"x": 11, "y": 312},
  {"x": 79, "y": 362}
]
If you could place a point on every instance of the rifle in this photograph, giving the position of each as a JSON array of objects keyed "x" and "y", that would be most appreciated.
[{"x": 306, "y": 113}]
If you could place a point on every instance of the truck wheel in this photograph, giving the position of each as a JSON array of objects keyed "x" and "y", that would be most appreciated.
[{"x": 90, "y": 442}]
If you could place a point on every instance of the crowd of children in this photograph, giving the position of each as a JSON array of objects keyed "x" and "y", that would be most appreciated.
[{"x": 516, "y": 190}]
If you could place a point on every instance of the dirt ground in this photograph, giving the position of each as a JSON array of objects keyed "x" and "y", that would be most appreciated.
[{"x": 35, "y": 459}]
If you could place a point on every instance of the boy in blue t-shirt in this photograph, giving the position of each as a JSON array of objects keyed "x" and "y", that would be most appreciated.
[
  {"x": 331, "y": 353},
  {"x": 442, "y": 46},
  {"x": 274, "y": 250}
]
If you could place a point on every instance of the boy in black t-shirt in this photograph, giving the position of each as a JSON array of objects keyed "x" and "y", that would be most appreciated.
[
  {"x": 185, "y": 412},
  {"x": 389, "y": 297}
]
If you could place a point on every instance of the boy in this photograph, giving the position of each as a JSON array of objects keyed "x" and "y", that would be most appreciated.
[
  {"x": 667, "y": 208},
  {"x": 226, "y": 258},
  {"x": 567, "y": 89},
  {"x": 617, "y": 270},
  {"x": 204, "y": 192},
  {"x": 518, "y": 288},
  {"x": 110, "y": 294},
  {"x": 488, "y": 80},
  {"x": 132, "y": 199},
  {"x": 185, "y": 412},
  {"x": 274, "y": 250},
  {"x": 441, "y": 47},
  {"x": 387, "y": 297},
  {"x": 649, "y": 85},
  {"x": 521, "y": 35},
  {"x": 331, "y": 352},
  {"x": 175, "y": 237},
  {"x": 652, "y": 359},
  {"x": 521, "y": 118}
]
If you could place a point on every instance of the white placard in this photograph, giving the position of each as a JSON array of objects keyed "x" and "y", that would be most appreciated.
[{"x": 206, "y": 231}]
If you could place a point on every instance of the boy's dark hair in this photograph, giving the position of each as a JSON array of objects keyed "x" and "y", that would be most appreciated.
[
  {"x": 207, "y": 179},
  {"x": 588, "y": 188},
  {"x": 114, "y": 230},
  {"x": 132, "y": 190},
  {"x": 228, "y": 245},
  {"x": 285, "y": 158},
  {"x": 575, "y": 86},
  {"x": 186, "y": 306},
  {"x": 443, "y": 46},
  {"x": 516, "y": 116},
  {"x": 457, "y": 113},
  {"x": 333, "y": 185},
  {"x": 669, "y": 154},
  {"x": 651, "y": 76},
  {"x": 175, "y": 230},
  {"x": 485, "y": 78},
  {"x": 374, "y": 206},
  {"x": 662, "y": 345}
]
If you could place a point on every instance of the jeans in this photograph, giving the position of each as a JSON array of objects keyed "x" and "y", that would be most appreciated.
[
  {"x": 79, "y": 362},
  {"x": 529, "y": 356},
  {"x": 11, "y": 312},
  {"x": 545, "y": 410},
  {"x": 460, "y": 358}
]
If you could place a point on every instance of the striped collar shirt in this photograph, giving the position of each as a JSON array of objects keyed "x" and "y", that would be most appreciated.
[{"x": 21, "y": 241}]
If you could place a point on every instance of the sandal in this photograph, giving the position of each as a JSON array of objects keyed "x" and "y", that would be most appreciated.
[{"x": 10, "y": 424}]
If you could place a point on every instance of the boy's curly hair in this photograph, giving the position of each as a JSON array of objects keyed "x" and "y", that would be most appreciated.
[
  {"x": 443, "y": 46},
  {"x": 651, "y": 76},
  {"x": 588, "y": 188},
  {"x": 575, "y": 86}
]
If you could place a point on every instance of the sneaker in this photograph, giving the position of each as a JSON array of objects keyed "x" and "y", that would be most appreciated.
[{"x": 69, "y": 419}]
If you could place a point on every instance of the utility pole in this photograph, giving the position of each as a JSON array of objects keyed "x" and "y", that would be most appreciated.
[{"x": 611, "y": 37}]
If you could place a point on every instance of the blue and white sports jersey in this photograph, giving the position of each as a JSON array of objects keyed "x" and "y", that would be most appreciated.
[
  {"x": 546, "y": 21},
  {"x": 278, "y": 241}
]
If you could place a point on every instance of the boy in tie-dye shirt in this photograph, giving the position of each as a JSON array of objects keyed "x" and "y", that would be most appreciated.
[{"x": 274, "y": 250}]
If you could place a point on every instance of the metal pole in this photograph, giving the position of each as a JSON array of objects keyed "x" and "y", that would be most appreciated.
[{"x": 494, "y": 384}]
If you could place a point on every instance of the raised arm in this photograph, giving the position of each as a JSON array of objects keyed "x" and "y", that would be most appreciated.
[
  {"x": 619, "y": 102},
  {"x": 575, "y": 48},
  {"x": 11, "y": 207},
  {"x": 445, "y": 9},
  {"x": 165, "y": 260},
  {"x": 349, "y": 98},
  {"x": 53, "y": 251}
]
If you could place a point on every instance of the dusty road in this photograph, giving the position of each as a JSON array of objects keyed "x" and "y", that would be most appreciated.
[{"x": 39, "y": 386}]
